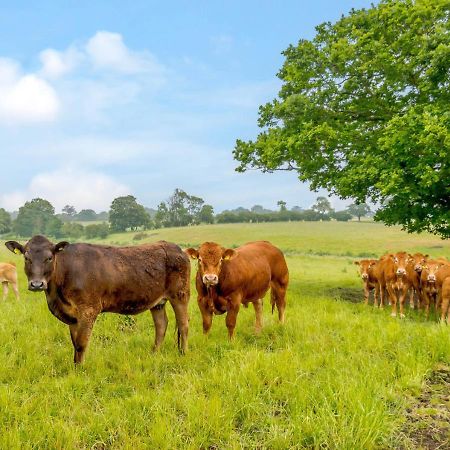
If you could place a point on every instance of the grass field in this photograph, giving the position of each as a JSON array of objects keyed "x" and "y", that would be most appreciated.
[{"x": 339, "y": 374}]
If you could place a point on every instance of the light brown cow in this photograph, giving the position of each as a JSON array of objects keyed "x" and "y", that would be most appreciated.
[
  {"x": 368, "y": 273},
  {"x": 445, "y": 300},
  {"x": 414, "y": 270},
  {"x": 227, "y": 278},
  {"x": 8, "y": 275},
  {"x": 394, "y": 268},
  {"x": 434, "y": 272}
]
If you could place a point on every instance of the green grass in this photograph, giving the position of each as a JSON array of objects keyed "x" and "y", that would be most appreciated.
[{"x": 337, "y": 375}]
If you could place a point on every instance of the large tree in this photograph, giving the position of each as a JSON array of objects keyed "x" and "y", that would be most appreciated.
[
  {"x": 358, "y": 210},
  {"x": 37, "y": 217},
  {"x": 364, "y": 113},
  {"x": 127, "y": 213}
]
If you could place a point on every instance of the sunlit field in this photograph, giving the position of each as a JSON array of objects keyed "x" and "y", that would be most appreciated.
[{"x": 338, "y": 374}]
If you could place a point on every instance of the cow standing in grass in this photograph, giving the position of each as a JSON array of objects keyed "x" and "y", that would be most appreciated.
[
  {"x": 414, "y": 270},
  {"x": 227, "y": 278},
  {"x": 432, "y": 278},
  {"x": 8, "y": 275},
  {"x": 81, "y": 281},
  {"x": 368, "y": 273}
]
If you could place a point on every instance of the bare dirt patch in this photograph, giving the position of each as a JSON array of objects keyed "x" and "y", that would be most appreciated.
[{"x": 427, "y": 423}]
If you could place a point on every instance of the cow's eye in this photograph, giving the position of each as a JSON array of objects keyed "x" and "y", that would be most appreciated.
[
  {"x": 200, "y": 259},
  {"x": 49, "y": 258}
]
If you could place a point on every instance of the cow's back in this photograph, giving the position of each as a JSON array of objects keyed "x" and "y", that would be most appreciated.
[
  {"x": 132, "y": 276},
  {"x": 254, "y": 267}
]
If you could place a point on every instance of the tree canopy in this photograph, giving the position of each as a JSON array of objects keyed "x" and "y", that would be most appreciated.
[
  {"x": 127, "y": 213},
  {"x": 363, "y": 112},
  {"x": 5, "y": 221}
]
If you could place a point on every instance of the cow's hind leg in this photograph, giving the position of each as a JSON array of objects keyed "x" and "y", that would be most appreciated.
[
  {"x": 16, "y": 290},
  {"x": 180, "y": 307},
  {"x": 258, "y": 305},
  {"x": 160, "y": 320},
  {"x": 5, "y": 290},
  {"x": 278, "y": 297},
  {"x": 80, "y": 333}
]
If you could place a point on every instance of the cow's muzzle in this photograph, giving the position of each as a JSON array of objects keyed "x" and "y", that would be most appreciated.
[
  {"x": 401, "y": 272},
  {"x": 364, "y": 276},
  {"x": 210, "y": 279},
  {"x": 37, "y": 285},
  {"x": 431, "y": 278},
  {"x": 418, "y": 268}
]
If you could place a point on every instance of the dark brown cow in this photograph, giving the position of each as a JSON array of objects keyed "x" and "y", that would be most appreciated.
[
  {"x": 8, "y": 275},
  {"x": 81, "y": 281},
  {"x": 227, "y": 278},
  {"x": 393, "y": 277}
]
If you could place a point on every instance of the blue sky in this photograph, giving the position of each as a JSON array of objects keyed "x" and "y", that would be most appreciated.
[{"x": 107, "y": 98}]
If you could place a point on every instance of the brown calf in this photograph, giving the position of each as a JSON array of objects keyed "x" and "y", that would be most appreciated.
[
  {"x": 368, "y": 273},
  {"x": 81, "y": 281},
  {"x": 8, "y": 275},
  {"x": 432, "y": 278},
  {"x": 394, "y": 277},
  {"x": 227, "y": 278}
]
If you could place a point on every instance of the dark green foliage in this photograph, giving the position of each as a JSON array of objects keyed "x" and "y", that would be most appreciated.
[
  {"x": 72, "y": 230},
  {"x": 182, "y": 209},
  {"x": 358, "y": 210},
  {"x": 5, "y": 221},
  {"x": 364, "y": 113},
  {"x": 100, "y": 230},
  {"x": 342, "y": 216},
  {"x": 126, "y": 213},
  {"x": 86, "y": 215},
  {"x": 37, "y": 217}
]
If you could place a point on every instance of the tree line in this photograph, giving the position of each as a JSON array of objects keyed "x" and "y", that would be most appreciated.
[{"x": 180, "y": 209}]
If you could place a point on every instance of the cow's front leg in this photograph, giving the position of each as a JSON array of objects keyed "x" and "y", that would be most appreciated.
[
  {"x": 232, "y": 317},
  {"x": 376, "y": 293},
  {"x": 207, "y": 315},
  {"x": 366, "y": 293},
  {"x": 160, "y": 320},
  {"x": 80, "y": 333},
  {"x": 392, "y": 299},
  {"x": 258, "y": 305},
  {"x": 402, "y": 298}
]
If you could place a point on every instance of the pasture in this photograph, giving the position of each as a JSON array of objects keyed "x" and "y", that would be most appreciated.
[{"x": 338, "y": 374}]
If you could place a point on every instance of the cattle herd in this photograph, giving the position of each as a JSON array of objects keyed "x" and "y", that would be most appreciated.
[
  {"x": 80, "y": 281},
  {"x": 393, "y": 277}
]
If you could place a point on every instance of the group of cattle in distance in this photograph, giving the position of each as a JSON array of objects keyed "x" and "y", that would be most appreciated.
[
  {"x": 397, "y": 275},
  {"x": 80, "y": 281}
]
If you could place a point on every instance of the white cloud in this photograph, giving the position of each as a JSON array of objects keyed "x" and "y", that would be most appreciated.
[
  {"x": 55, "y": 63},
  {"x": 108, "y": 51},
  {"x": 77, "y": 187},
  {"x": 25, "y": 98}
]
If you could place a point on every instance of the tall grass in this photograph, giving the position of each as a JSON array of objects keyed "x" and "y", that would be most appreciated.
[{"x": 335, "y": 376}]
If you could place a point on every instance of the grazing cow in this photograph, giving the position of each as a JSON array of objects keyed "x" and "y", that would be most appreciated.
[
  {"x": 367, "y": 271},
  {"x": 394, "y": 270},
  {"x": 8, "y": 275},
  {"x": 227, "y": 278},
  {"x": 81, "y": 281},
  {"x": 433, "y": 275}
]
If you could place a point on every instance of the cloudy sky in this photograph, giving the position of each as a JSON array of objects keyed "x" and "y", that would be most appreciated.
[{"x": 106, "y": 98}]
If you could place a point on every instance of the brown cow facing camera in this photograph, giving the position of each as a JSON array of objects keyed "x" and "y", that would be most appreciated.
[
  {"x": 368, "y": 273},
  {"x": 80, "y": 281},
  {"x": 227, "y": 278}
]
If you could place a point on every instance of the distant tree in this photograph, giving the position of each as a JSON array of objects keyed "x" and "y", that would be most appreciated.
[
  {"x": 54, "y": 227},
  {"x": 69, "y": 210},
  {"x": 100, "y": 230},
  {"x": 72, "y": 230},
  {"x": 86, "y": 215},
  {"x": 282, "y": 205},
  {"x": 322, "y": 206},
  {"x": 126, "y": 213},
  {"x": 5, "y": 221},
  {"x": 206, "y": 214},
  {"x": 34, "y": 217},
  {"x": 296, "y": 209},
  {"x": 358, "y": 210},
  {"x": 342, "y": 216},
  {"x": 103, "y": 215},
  {"x": 258, "y": 209},
  {"x": 151, "y": 212}
]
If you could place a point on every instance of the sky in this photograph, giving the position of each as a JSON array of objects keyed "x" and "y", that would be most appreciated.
[{"x": 109, "y": 98}]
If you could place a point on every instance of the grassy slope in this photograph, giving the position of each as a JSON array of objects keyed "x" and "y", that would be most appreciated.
[{"x": 336, "y": 375}]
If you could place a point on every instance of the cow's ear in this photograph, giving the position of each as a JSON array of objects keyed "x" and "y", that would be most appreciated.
[
  {"x": 228, "y": 254},
  {"x": 60, "y": 246},
  {"x": 192, "y": 253},
  {"x": 426, "y": 256},
  {"x": 15, "y": 247},
  {"x": 356, "y": 263}
]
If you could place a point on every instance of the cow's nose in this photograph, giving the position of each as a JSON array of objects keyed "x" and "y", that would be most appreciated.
[
  {"x": 36, "y": 285},
  {"x": 209, "y": 278},
  {"x": 418, "y": 268},
  {"x": 364, "y": 276},
  {"x": 401, "y": 271},
  {"x": 431, "y": 278}
]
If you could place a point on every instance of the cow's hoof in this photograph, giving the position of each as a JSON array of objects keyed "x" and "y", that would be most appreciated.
[
  {"x": 402, "y": 316},
  {"x": 412, "y": 306},
  {"x": 393, "y": 314}
]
